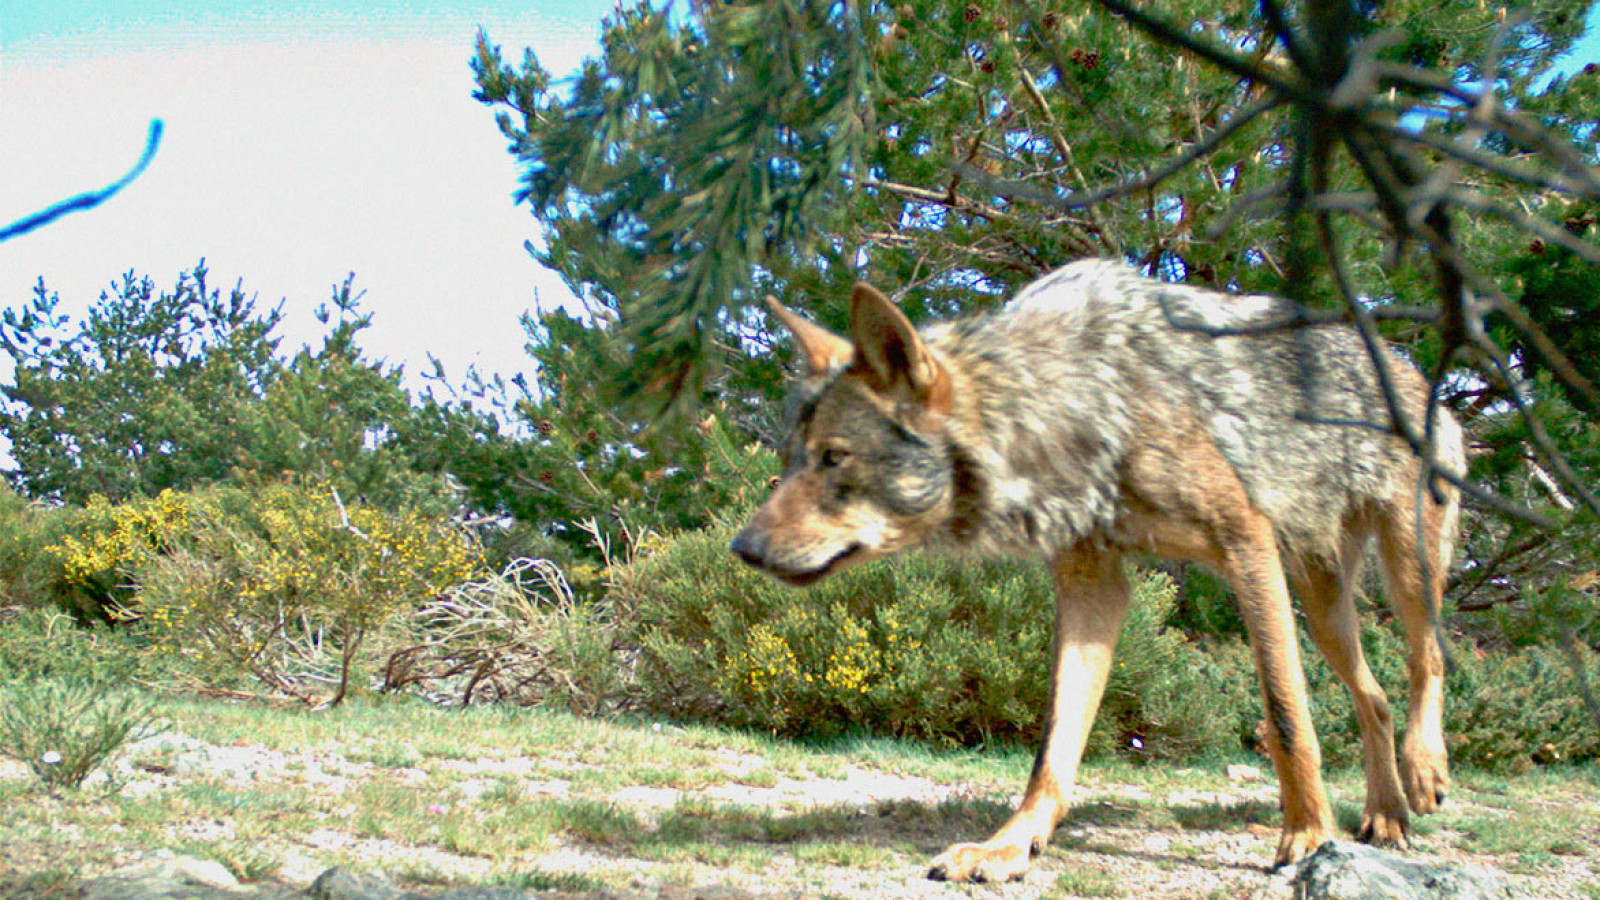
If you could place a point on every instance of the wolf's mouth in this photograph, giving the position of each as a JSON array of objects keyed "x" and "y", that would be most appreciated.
[{"x": 800, "y": 578}]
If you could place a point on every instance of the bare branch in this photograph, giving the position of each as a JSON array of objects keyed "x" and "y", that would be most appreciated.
[
  {"x": 1547, "y": 230},
  {"x": 1223, "y": 59},
  {"x": 1196, "y": 151},
  {"x": 1538, "y": 436},
  {"x": 1581, "y": 183},
  {"x": 1246, "y": 206},
  {"x": 1279, "y": 23},
  {"x": 1515, "y": 126},
  {"x": 1064, "y": 148},
  {"x": 1415, "y": 199},
  {"x": 1548, "y": 352}
]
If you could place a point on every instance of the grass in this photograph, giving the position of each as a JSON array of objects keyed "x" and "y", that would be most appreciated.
[
  {"x": 1532, "y": 835},
  {"x": 1213, "y": 816},
  {"x": 845, "y": 853},
  {"x": 537, "y": 880},
  {"x": 385, "y": 785},
  {"x": 1086, "y": 883}
]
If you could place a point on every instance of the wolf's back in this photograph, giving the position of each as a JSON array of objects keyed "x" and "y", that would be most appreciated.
[{"x": 1085, "y": 354}]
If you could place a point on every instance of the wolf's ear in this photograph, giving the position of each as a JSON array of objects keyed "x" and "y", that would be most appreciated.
[
  {"x": 821, "y": 350},
  {"x": 889, "y": 352}
]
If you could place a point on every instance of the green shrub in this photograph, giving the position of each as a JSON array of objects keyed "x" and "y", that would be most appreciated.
[
  {"x": 43, "y": 642},
  {"x": 1168, "y": 695},
  {"x": 1508, "y": 712},
  {"x": 1205, "y": 604},
  {"x": 902, "y": 646},
  {"x": 955, "y": 650},
  {"x": 30, "y": 576},
  {"x": 64, "y": 729},
  {"x": 1505, "y": 709}
]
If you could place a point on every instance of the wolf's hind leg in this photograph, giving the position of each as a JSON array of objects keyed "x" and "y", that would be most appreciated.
[
  {"x": 1091, "y": 603},
  {"x": 1415, "y": 591},
  {"x": 1327, "y": 594}
]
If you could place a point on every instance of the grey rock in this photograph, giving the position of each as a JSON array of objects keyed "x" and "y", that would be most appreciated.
[
  {"x": 1341, "y": 870},
  {"x": 164, "y": 875},
  {"x": 171, "y": 753},
  {"x": 342, "y": 884},
  {"x": 710, "y": 892},
  {"x": 339, "y": 883},
  {"x": 1239, "y": 772}
]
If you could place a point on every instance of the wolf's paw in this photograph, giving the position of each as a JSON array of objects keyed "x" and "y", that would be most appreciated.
[
  {"x": 1426, "y": 777},
  {"x": 981, "y": 863},
  {"x": 1297, "y": 845},
  {"x": 1426, "y": 788},
  {"x": 1385, "y": 828}
]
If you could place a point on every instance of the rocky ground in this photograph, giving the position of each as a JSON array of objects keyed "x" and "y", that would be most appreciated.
[{"x": 1125, "y": 839}]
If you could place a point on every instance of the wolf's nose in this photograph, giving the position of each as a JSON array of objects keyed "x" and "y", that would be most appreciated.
[{"x": 749, "y": 548}]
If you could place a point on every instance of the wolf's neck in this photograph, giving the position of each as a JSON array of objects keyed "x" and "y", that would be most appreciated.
[{"x": 1037, "y": 429}]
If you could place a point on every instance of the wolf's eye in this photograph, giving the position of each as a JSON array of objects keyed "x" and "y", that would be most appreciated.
[{"x": 832, "y": 458}]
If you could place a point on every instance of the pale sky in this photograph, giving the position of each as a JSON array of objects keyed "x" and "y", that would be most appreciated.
[{"x": 304, "y": 141}]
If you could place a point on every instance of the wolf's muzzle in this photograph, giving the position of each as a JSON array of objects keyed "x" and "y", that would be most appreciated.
[{"x": 751, "y": 548}]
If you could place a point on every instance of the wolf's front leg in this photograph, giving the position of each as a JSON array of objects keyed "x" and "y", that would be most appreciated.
[{"x": 1091, "y": 602}]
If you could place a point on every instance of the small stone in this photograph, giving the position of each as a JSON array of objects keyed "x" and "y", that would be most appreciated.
[
  {"x": 339, "y": 883},
  {"x": 1238, "y": 772},
  {"x": 556, "y": 787},
  {"x": 473, "y": 789}
]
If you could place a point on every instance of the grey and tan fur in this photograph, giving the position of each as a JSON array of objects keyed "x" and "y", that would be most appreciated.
[{"x": 1101, "y": 413}]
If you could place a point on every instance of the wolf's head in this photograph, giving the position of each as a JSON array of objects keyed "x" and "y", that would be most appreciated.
[{"x": 867, "y": 466}]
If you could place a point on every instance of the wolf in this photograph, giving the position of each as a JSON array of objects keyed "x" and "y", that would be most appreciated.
[{"x": 1102, "y": 413}]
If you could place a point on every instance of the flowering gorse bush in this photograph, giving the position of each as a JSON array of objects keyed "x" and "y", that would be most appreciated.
[
  {"x": 120, "y": 537},
  {"x": 286, "y": 582},
  {"x": 109, "y": 541}
]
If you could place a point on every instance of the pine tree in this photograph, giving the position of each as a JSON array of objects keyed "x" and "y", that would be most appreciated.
[
  {"x": 1346, "y": 155},
  {"x": 178, "y": 389}
]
